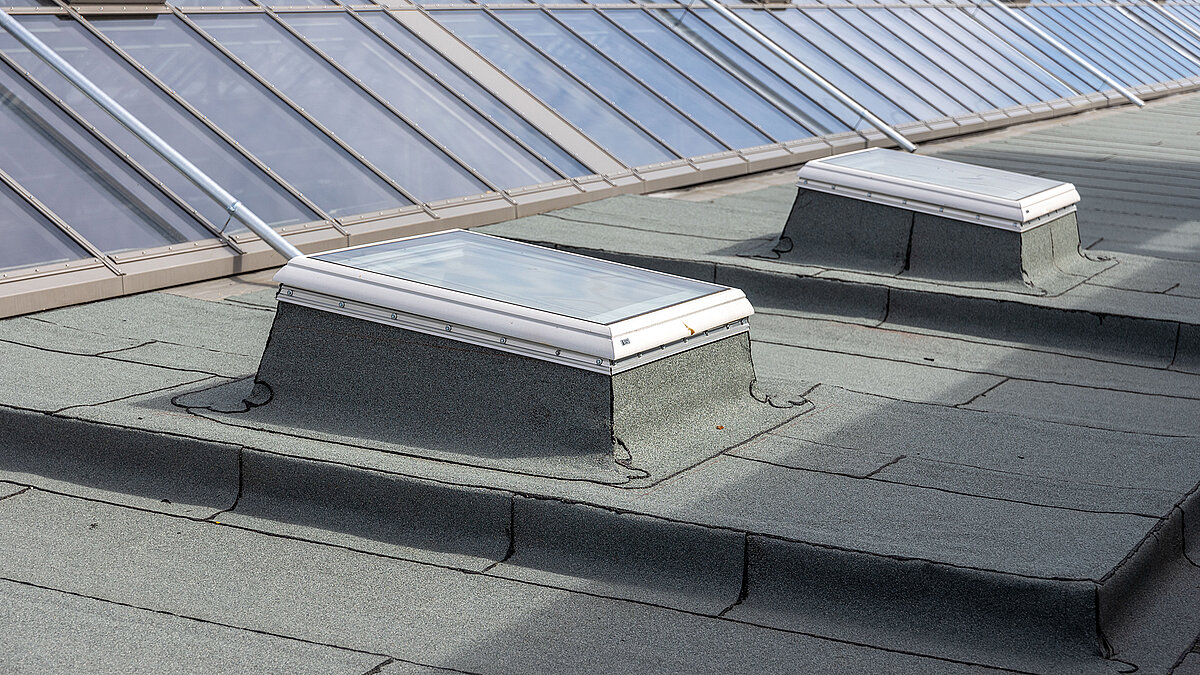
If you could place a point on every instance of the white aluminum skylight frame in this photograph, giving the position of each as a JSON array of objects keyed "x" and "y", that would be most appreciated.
[
  {"x": 604, "y": 348},
  {"x": 1050, "y": 200}
]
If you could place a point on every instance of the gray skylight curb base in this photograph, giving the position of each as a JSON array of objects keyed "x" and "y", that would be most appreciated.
[
  {"x": 340, "y": 378},
  {"x": 889, "y": 213},
  {"x": 827, "y": 230}
]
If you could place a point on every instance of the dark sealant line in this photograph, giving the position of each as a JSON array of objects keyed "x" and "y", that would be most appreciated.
[
  {"x": 744, "y": 591},
  {"x": 237, "y": 498}
]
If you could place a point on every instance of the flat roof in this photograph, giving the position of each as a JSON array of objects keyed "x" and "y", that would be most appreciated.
[{"x": 987, "y": 481}]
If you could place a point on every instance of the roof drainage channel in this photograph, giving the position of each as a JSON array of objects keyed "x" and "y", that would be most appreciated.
[{"x": 547, "y": 538}]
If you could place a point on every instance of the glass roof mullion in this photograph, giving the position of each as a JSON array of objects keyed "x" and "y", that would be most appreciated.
[
  {"x": 1084, "y": 41},
  {"x": 229, "y": 140},
  {"x": 557, "y": 94},
  {"x": 944, "y": 28},
  {"x": 60, "y": 223},
  {"x": 990, "y": 20},
  {"x": 387, "y": 105},
  {"x": 1149, "y": 34},
  {"x": 118, "y": 152},
  {"x": 771, "y": 17},
  {"x": 356, "y": 155},
  {"x": 1167, "y": 35},
  {"x": 1169, "y": 25},
  {"x": 732, "y": 109},
  {"x": 1092, "y": 19},
  {"x": 919, "y": 42},
  {"x": 683, "y": 113},
  {"x": 500, "y": 128},
  {"x": 816, "y": 15},
  {"x": 491, "y": 14},
  {"x": 960, "y": 17},
  {"x": 762, "y": 88}
]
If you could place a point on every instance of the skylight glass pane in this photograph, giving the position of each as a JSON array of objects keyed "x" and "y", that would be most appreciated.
[
  {"x": 964, "y": 85},
  {"x": 992, "y": 75},
  {"x": 1083, "y": 43},
  {"x": 152, "y": 106},
  {"x": 668, "y": 125},
  {"x": 1168, "y": 27},
  {"x": 831, "y": 70},
  {"x": 304, "y": 157},
  {"x": 662, "y": 79},
  {"x": 546, "y": 81},
  {"x": 359, "y": 120},
  {"x": 724, "y": 86},
  {"x": 29, "y": 238},
  {"x": 394, "y": 78},
  {"x": 80, "y": 180},
  {"x": 421, "y": 55},
  {"x": 997, "y": 57},
  {"x": 527, "y": 276},
  {"x": 1118, "y": 28},
  {"x": 1123, "y": 47},
  {"x": 761, "y": 69},
  {"x": 886, "y": 73},
  {"x": 1038, "y": 50}
]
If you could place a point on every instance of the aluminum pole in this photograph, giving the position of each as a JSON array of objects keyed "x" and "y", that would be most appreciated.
[
  {"x": 1024, "y": 21},
  {"x": 235, "y": 208},
  {"x": 821, "y": 82}
]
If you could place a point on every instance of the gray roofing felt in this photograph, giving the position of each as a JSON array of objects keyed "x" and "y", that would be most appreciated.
[{"x": 984, "y": 479}]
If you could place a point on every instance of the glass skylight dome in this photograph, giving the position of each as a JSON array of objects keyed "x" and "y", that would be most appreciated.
[
  {"x": 942, "y": 187},
  {"x": 539, "y": 302}
]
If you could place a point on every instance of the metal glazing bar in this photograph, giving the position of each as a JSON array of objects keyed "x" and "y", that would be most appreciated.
[
  {"x": 59, "y": 222},
  {"x": 385, "y": 104},
  {"x": 725, "y": 104},
  {"x": 208, "y": 124},
  {"x": 645, "y": 85},
  {"x": 495, "y": 71},
  {"x": 1184, "y": 51},
  {"x": 210, "y": 187},
  {"x": 963, "y": 18},
  {"x": 124, "y": 156},
  {"x": 1174, "y": 19},
  {"x": 354, "y": 12},
  {"x": 754, "y": 34},
  {"x": 800, "y": 116},
  {"x": 297, "y": 109},
  {"x": 935, "y": 28},
  {"x": 551, "y": 60},
  {"x": 1087, "y": 65}
]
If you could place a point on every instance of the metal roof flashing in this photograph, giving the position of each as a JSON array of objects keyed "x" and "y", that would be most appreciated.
[
  {"x": 515, "y": 297},
  {"x": 942, "y": 187}
]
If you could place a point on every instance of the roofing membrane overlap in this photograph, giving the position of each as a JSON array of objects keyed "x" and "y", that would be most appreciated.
[{"x": 928, "y": 474}]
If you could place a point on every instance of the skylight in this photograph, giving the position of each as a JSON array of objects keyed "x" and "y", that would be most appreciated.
[{"x": 518, "y": 297}]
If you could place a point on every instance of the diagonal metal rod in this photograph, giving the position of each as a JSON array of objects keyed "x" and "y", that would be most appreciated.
[
  {"x": 754, "y": 34},
  {"x": 235, "y": 208},
  {"x": 1028, "y": 23}
]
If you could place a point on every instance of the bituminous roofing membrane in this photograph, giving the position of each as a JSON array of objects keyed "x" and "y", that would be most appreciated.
[{"x": 928, "y": 474}]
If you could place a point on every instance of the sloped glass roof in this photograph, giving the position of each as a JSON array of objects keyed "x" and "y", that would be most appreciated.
[{"x": 337, "y": 122}]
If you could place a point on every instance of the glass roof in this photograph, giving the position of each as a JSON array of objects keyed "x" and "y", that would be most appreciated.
[
  {"x": 336, "y": 114},
  {"x": 525, "y": 275}
]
